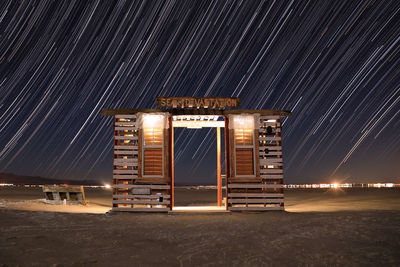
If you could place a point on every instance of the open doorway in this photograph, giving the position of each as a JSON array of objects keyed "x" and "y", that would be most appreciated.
[{"x": 198, "y": 160}]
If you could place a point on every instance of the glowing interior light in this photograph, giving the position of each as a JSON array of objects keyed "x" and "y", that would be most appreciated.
[
  {"x": 270, "y": 166},
  {"x": 243, "y": 122},
  {"x": 107, "y": 186},
  {"x": 153, "y": 121},
  {"x": 335, "y": 185},
  {"x": 271, "y": 120},
  {"x": 198, "y": 208}
]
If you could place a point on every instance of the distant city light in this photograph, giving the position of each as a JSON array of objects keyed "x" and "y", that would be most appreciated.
[
  {"x": 5, "y": 184},
  {"x": 345, "y": 185}
]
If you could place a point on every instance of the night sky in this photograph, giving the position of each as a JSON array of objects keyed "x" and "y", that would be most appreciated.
[{"x": 335, "y": 64}]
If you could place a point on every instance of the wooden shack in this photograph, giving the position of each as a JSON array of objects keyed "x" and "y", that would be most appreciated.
[
  {"x": 143, "y": 168},
  {"x": 60, "y": 194}
]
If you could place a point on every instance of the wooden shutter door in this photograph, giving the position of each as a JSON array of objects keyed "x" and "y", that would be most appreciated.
[
  {"x": 244, "y": 152},
  {"x": 153, "y": 152}
]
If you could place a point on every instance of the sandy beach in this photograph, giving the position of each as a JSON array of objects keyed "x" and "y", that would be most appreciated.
[{"x": 352, "y": 227}]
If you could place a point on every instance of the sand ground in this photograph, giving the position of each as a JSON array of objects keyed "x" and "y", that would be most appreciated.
[{"x": 352, "y": 227}]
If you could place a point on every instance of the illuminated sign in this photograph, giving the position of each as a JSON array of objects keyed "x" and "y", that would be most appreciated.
[{"x": 198, "y": 102}]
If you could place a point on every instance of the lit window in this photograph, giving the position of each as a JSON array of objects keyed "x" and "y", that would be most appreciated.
[{"x": 153, "y": 145}]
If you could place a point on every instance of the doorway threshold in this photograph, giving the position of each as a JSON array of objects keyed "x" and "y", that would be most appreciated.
[{"x": 199, "y": 210}]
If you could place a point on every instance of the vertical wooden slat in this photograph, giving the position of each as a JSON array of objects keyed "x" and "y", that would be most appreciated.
[
  {"x": 256, "y": 150},
  {"x": 171, "y": 160},
  {"x": 140, "y": 153},
  {"x": 227, "y": 160},
  {"x": 166, "y": 148},
  {"x": 232, "y": 153},
  {"x": 219, "y": 166}
]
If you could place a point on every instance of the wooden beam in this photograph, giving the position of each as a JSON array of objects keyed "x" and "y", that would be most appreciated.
[
  {"x": 227, "y": 159},
  {"x": 141, "y": 196},
  {"x": 141, "y": 209},
  {"x": 142, "y": 201},
  {"x": 255, "y": 208},
  {"x": 198, "y": 124},
  {"x": 257, "y": 200},
  {"x": 171, "y": 160},
  {"x": 219, "y": 181},
  {"x": 199, "y": 111}
]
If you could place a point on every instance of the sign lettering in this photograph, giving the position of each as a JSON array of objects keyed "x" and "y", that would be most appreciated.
[{"x": 198, "y": 102}]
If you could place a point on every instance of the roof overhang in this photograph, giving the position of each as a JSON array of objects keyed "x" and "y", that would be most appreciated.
[
  {"x": 200, "y": 111},
  {"x": 197, "y": 121}
]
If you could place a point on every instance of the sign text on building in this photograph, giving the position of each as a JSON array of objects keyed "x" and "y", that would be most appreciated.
[{"x": 198, "y": 102}]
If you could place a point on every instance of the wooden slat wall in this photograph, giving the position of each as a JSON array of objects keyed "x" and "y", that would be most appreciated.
[
  {"x": 153, "y": 159},
  {"x": 244, "y": 161},
  {"x": 127, "y": 171},
  {"x": 265, "y": 191}
]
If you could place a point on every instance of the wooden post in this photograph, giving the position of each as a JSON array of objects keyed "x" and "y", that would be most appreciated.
[
  {"x": 171, "y": 159},
  {"x": 219, "y": 182},
  {"x": 227, "y": 161}
]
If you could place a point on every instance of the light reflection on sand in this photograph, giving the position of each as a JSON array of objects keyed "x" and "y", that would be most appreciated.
[{"x": 296, "y": 200}]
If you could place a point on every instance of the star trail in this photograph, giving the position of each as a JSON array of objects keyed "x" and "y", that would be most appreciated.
[{"x": 335, "y": 64}]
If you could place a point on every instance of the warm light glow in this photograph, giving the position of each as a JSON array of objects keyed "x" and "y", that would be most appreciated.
[
  {"x": 153, "y": 121},
  {"x": 5, "y": 184},
  {"x": 243, "y": 122},
  {"x": 345, "y": 185},
  {"x": 199, "y": 208},
  {"x": 107, "y": 186}
]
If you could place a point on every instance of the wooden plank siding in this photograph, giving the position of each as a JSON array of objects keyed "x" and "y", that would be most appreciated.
[
  {"x": 129, "y": 163},
  {"x": 264, "y": 192},
  {"x": 126, "y": 149}
]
